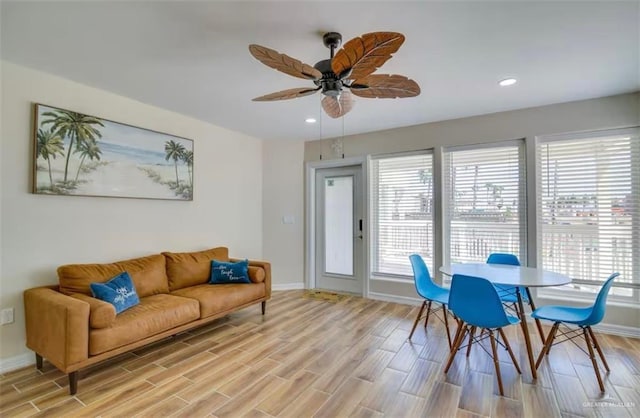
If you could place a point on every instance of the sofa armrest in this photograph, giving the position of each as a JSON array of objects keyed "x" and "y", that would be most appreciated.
[
  {"x": 57, "y": 326},
  {"x": 266, "y": 266},
  {"x": 101, "y": 314}
]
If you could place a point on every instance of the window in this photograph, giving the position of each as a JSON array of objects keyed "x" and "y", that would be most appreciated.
[
  {"x": 401, "y": 202},
  {"x": 484, "y": 192},
  {"x": 588, "y": 208}
]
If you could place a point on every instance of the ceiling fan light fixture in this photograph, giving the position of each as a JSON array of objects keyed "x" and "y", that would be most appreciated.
[
  {"x": 507, "y": 82},
  {"x": 348, "y": 71},
  {"x": 310, "y": 120}
]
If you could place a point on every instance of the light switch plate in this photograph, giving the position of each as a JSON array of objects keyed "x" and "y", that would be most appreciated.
[
  {"x": 288, "y": 219},
  {"x": 6, "y": 316}
]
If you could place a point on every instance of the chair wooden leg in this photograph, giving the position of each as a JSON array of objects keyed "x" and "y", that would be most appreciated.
[
  {"x": 593, "y": 358},
  {"x": 533, "y": 308},
  {"x": 472, "y": 332},
  {"x": 426, "y": 319},
  {"x": 460, "y": 334},
  {"x": 496, "y": 363},
  {"x": 264, "y": 306},
  {"x": 555, "y": 332},
  {"x": 525, "y": 334},
  {"x": 595, "y": 342},
  {"x": 547, "y": 344},
  {"x": 73, "y": 383},
  {"x": 506, "y": 343},
  {"x": 458, "y": 331},
  {"x": 415, "y": 324},
  {"x": 38, "y": 361},
  {"x": 446, "y": 324}
]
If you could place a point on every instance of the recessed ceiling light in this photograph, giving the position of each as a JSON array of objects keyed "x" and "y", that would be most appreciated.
[
  {"x": 310, "y": 120},
  {"x": 508, "y": 82}
]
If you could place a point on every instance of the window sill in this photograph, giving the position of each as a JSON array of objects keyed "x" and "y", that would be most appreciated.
[{"x": 395, "y": 279}]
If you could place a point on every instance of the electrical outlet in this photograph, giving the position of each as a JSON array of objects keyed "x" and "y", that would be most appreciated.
[{"x": 6, "y": 316}]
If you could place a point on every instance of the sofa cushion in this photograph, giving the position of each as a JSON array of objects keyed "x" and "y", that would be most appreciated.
[
  {"x": 119, "y": 291},
  {"x": 189, "y": 269},
  {"x": 219, "y": 298},
  {"x": 153, "y": 315},
  {"x": 148, "y": 275}
]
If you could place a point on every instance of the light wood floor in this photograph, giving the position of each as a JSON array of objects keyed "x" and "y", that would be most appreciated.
[{"x": 309, "y": 357}]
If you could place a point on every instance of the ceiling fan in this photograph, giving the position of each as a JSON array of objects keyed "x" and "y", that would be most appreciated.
[{"x": 347, "y": 71}]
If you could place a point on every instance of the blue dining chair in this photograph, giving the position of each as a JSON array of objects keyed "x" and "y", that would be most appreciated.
[
  {"x": 508, "y": 293},
  {"x": 583, "y": 318},
  {"x": 430, "y": 292},
  {"x": 476, "y": 304}
]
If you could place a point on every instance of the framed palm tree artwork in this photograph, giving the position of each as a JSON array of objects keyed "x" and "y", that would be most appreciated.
[{"x": 83, "y": 155}]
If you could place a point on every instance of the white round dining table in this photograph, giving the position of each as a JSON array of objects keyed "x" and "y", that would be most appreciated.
[
  {"x": 518, "y": 276},
  {"x": 508, "y": 275}
]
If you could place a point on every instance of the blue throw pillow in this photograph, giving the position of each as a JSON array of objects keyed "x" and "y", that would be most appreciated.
[
  {"x": 119, "y": 291},
  {"x": 222, "y": 272}
]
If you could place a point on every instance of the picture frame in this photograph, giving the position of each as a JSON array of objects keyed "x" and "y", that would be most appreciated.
[{"x": 82, "y": 155}]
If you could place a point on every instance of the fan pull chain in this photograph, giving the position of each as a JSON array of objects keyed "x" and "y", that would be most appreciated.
[
  {"x": 320, "y": 127},
  {"x": 342, "y": 140}
]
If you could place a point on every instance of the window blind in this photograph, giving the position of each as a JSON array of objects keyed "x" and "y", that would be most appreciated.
[
  {"x": 588, "y": 208},
  {"x": 484, "y": 203},
  {"x": 401, "y": 205}
]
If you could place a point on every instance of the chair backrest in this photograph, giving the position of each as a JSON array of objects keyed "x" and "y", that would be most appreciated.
[
  {"x": 599, "y": 306},
  {"x": 511, "y": 260},
  {"x": 424, "y": 285},
  {"x": 502, "y": 258},
  {"x": 476, "y": 302}
]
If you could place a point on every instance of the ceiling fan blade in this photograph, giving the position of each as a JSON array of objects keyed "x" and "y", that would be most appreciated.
[
  {"x": 284, "y": 63},
  {"x": 385, "y": 86},
  {"x": 362, "y": 56},
  {"x": 286, "y": 94},
  {"x": 336, "y": 107}
]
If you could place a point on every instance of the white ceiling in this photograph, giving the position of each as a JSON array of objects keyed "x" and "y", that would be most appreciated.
[{"x": 192, "y": 57}]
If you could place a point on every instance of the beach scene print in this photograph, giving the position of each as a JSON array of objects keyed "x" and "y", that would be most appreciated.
[{"x": 78, "y": 154}]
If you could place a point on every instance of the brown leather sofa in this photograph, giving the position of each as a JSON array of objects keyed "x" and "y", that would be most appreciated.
[{"x": 73, "y": 330}]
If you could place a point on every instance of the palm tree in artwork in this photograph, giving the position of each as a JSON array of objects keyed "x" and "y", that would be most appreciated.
[
  {"x": 49, "y": 145},
  {"x": 187, "y": 157},
  {"x": 76, "y": 126},
  {"x": 86, "y": 149},
  {"x": 174, "y": 151}
]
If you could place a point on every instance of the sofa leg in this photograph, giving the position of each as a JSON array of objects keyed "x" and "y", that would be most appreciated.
[
  {"x": 73, "y": 383},
  {"x": 264, "y": 306},
  {"x": 38, "y": 361}
]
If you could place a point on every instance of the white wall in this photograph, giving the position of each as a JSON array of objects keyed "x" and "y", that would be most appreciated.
[
  {"x": 39, "y": 232},
  {"x": 283, "y": 185},
  {"x": 602, "y": 113}
]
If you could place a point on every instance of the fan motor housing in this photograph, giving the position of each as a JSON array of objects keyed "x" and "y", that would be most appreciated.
[
  {"x": 331, "y": 87},
  {"x": 329, "y": 82}
]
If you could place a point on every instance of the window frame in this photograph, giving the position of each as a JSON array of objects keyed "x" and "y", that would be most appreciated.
[
  {"x": 372, "y": 247},
  {"x": 521, "y": 143},
  {"x": 564, "y": 293}
]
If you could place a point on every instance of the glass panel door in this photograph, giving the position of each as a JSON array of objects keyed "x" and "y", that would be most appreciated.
[
  {"x": 339, "y": 229},
  {"x": 338, "y": 226}
]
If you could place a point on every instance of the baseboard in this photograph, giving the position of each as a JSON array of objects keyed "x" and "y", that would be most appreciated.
[
  {"x": 612, "y": 329},
  {"x": 17, "y": 362},
  {"x": 621, "y": 330},
  {"x": 287, "y": 286},
  {"x": 405, "y": 300}
]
